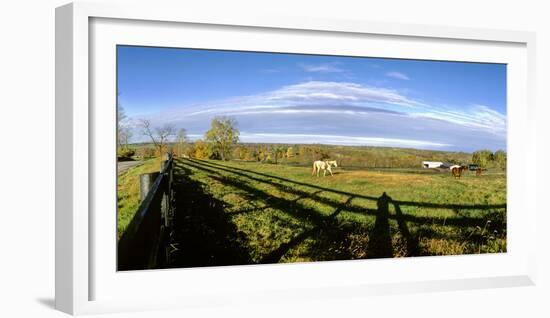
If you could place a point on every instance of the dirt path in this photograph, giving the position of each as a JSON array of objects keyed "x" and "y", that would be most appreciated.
[{"x": 125, "y": 165}]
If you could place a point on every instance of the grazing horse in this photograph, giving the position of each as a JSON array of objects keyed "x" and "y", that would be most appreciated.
[
  {"x": 457, "y": 170},
  {"x": 478, "y": 171},
  {"x": 324, "y": 165}
]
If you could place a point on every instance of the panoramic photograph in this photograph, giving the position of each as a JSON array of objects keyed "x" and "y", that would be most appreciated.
[{"x": 240, "y": 158}]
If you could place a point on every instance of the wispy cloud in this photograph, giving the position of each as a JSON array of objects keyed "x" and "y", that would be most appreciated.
[
  {"x": 337, "y": 140},
  {"x": 312, "y": 109},
  {"x": 322, "y": 92},
  {"x": 321, "y": 68},
  {"x": 349, "y": 114},
  {"x": 398, "y": 75},
  {"x": 475, "y": 116},
  {"x": 315, "y": 95}
]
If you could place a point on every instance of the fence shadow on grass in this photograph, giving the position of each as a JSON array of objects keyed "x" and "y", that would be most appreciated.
[
  {"x": 205, "y": 236},
  {"x": 202, "y": 234},
  {"x": 276, "y": 181}
]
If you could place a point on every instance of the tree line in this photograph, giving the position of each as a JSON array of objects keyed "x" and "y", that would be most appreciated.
[
  {"x": 488, "y": 159},
  {"x": 221, "y": 142},
  {"x": 218, "y": 141}
]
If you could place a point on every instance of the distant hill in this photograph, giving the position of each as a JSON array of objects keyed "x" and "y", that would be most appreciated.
[
  {"x": 365, "y": 156},
  {"x": 349, "y": 156}
]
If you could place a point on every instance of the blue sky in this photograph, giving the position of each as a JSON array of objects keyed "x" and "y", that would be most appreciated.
[{"x": 294, "y": 98}]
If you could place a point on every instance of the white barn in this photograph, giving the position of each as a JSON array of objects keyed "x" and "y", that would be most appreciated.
[{"x": 432, "y": 164}]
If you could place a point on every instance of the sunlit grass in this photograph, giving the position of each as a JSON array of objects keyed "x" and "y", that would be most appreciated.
[
  {"x": 128, "y": 192},
  {"x": 272, "y": 205}
]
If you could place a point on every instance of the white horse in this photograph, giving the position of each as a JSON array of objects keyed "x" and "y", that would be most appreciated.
[{"x": 325, "y": 165}]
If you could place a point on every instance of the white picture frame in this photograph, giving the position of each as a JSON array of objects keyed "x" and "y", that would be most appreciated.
[{"x": 82, "y": 285}]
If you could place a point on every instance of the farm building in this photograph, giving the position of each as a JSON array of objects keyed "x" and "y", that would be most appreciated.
[{"x": 432, "y": 164}]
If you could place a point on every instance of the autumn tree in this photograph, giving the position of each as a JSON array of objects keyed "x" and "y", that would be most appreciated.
[
  {"x": 500, "y": 159},
  {"x": 237, "y": 153},
  {"x": 240, "y": 153},
  {"x": 223, "y": 135},
  {"x": 262, "y": 154},
  {"x": 482, "y": 158},
  {"x": 277, "y": 152},
  {"x": 290, "y": 152},
  {"x": 201, "y": 150},
  {"x": 249, "y": 155}
]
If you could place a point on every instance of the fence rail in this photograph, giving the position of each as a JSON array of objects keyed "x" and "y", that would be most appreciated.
[{"x": 143, "y": 244}]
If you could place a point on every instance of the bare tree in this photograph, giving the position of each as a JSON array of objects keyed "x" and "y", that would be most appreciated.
[
  {"x": 158, "y": 135},
  {"x": 123, "y": 131},
  {"x": 181, "y": 140},
  {"x": 124, "y": 135}
]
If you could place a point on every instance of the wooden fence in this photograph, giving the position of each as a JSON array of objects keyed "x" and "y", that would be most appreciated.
[{"x": 143, "y": 244}]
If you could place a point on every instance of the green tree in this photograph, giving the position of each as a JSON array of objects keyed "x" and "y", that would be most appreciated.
[
  {"x": 277, "y": 152},
  {"x": 500, "y": 159},
  {"x": 223, "y": 135},
  {"x": 482, "y": 158}
]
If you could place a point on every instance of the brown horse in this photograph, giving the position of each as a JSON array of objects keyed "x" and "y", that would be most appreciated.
[
  {"x": 478, "y": 171},
  {"x": 457, "y": 171}
]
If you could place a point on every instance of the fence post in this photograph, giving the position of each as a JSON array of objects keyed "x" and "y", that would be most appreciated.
[
  {"x": 167, "y": 188},
  {"x": 170, "y": 191},
  {"x": 146, "y": 181},
  {"x": 145, "y": 243},
  {"x": 165, "y": 207}
]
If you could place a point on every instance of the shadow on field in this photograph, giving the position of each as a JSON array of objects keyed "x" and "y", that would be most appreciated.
[
  {"x": 380, "y": 244},
  {"x": 205, "y": 236},
  {"x": 214, "y": 168},
  {"x": 202, "y": 234}
]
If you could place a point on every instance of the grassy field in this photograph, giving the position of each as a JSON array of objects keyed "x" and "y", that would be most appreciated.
[
  {"x": 267, "y": 213},
  {"x": 128, "y": 192}
]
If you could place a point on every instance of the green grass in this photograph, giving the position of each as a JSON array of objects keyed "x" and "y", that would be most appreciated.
[
  {"x": 128, "y": 192},
  {"x": 283, "y": 214}
]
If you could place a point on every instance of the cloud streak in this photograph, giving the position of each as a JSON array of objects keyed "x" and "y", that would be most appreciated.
[
  {"x": 321, "y": 68},
  {"x": 476, "y": 116},
  {"x": 348, "y": 114},
  {"x": 320, "y": 92},
  {"x": 337, "y": 140},
  {"x": 398, "y": 75}
]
